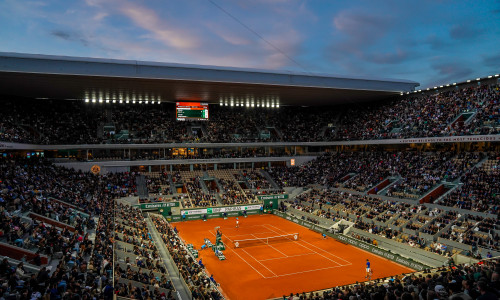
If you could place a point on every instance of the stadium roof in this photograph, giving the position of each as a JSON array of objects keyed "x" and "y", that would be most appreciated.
[{"x": 62, "y": 77}]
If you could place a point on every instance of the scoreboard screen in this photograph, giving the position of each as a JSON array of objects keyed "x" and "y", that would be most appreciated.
[{"x": 191, "y": 111}]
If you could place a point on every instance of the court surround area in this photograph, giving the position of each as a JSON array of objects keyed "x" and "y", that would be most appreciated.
[{"x": 260, "y": 266}]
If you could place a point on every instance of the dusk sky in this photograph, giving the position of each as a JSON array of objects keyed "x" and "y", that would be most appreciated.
[{"x": 431, "y": 42}]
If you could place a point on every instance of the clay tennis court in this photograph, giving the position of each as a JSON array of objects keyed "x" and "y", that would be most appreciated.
[{"x": 256, "y": 270}]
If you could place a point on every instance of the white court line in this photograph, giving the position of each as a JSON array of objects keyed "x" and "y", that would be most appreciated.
[
  {"x": 233, "y": 228},
  {"x": 308, "y": 247},
  {"x": 348, "y": 262},
  {"x": 250, "y": 233},
  {"x": 282, "y": 275},
  {"x": 295, "y": 273},
  {"x": 288, "y": 256},
  {"x": 259, "y": 263},
  {"x": 272, "y": 247},
  {"x": 246, "y": 262}
]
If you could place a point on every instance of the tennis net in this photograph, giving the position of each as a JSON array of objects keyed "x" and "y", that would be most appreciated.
[{"x": 291, "y": 237}]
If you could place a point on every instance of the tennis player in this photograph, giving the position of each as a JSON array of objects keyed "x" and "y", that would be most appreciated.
[
  {"x": 368, "y": 269},
  {"x": 237, "y": 223}
]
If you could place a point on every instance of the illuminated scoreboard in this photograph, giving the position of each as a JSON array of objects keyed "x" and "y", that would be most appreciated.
[{"x": 191, "y": 111}]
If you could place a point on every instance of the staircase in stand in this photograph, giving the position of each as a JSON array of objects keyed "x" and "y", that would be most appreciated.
[
  {"x": 142, "y": 187},
  {"x": 269, "y": 178}
]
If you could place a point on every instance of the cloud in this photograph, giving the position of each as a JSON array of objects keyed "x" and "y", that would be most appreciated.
[
  {"x": 229, "y": 35},
  {"x": 396, "y": 57},
  {"x": 157, "y": 27},
  {"x": 149, "y": 20},
  {"x": 69, "y": 36},
  {"x": 100, "y": 16},
  {"x": 361, "y": 28},
  {"x": 447, "y": 72},
  {"x": 435, "y": 42},
  {"x": 492, "y": 61},
  {"x": 464, "y": 32},
  {"x": 61, "y": 34},
  {"x": 355, "y": 32}
]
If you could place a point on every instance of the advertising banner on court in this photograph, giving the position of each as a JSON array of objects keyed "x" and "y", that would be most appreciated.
[
  {"x": 194, "y": 211},
  {"x": 219, "y": 210},
  {"x": 232, "y": 208},
  {"x": 373, "y": 249},
  {"x": 273, "y": 197},
  {"x": 155, "y": 206}
]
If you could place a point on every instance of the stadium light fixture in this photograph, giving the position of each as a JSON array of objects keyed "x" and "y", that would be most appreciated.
[
  {"x": 278, "y": 105},
  {"x": 435, "y": 87},
  {"x": 448, "y": 84},
  {"x": 428, "y": 89},
  {"x": 100, "y": 100},
  {"x": 468, "y": 80},
  {"x": 454, "y": 83},
  {"x": 478, "y": 79},
  {"x": 440, "y": 86},
  {"x": 158, "y": 101},
  {"x": 114, "y": 101},
  {"x": 133, "y": 101},
  {"x": 93, "y": 100},
  {"x": 496, "y": 75},
  {"x": 121, "y": 101},
  {"x": 147, "y": 102},
  {"x": 107, "y": 100},
  {"x": 490, "y": 76},
  {"x": 127, "y": 101},
  {"x": 140, "y": 101}
]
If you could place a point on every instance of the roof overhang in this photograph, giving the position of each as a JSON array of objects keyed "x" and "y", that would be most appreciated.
[{"x": 60, "y": 77}]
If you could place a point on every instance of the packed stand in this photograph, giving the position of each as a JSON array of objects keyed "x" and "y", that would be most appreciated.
[
  {"x": 193, "y": 273},
  {"x": 83, "y": 268},
  {"x": 478, "y": 281},
  {"x": 146, "y": 275},
  {"x": 462, "y": 111},
  {"x": 480, "y": 190},
  {"x": 196, "y": 194}
]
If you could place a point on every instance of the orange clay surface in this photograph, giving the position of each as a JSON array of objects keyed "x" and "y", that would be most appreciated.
[{"x": 269, "y": 271}]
